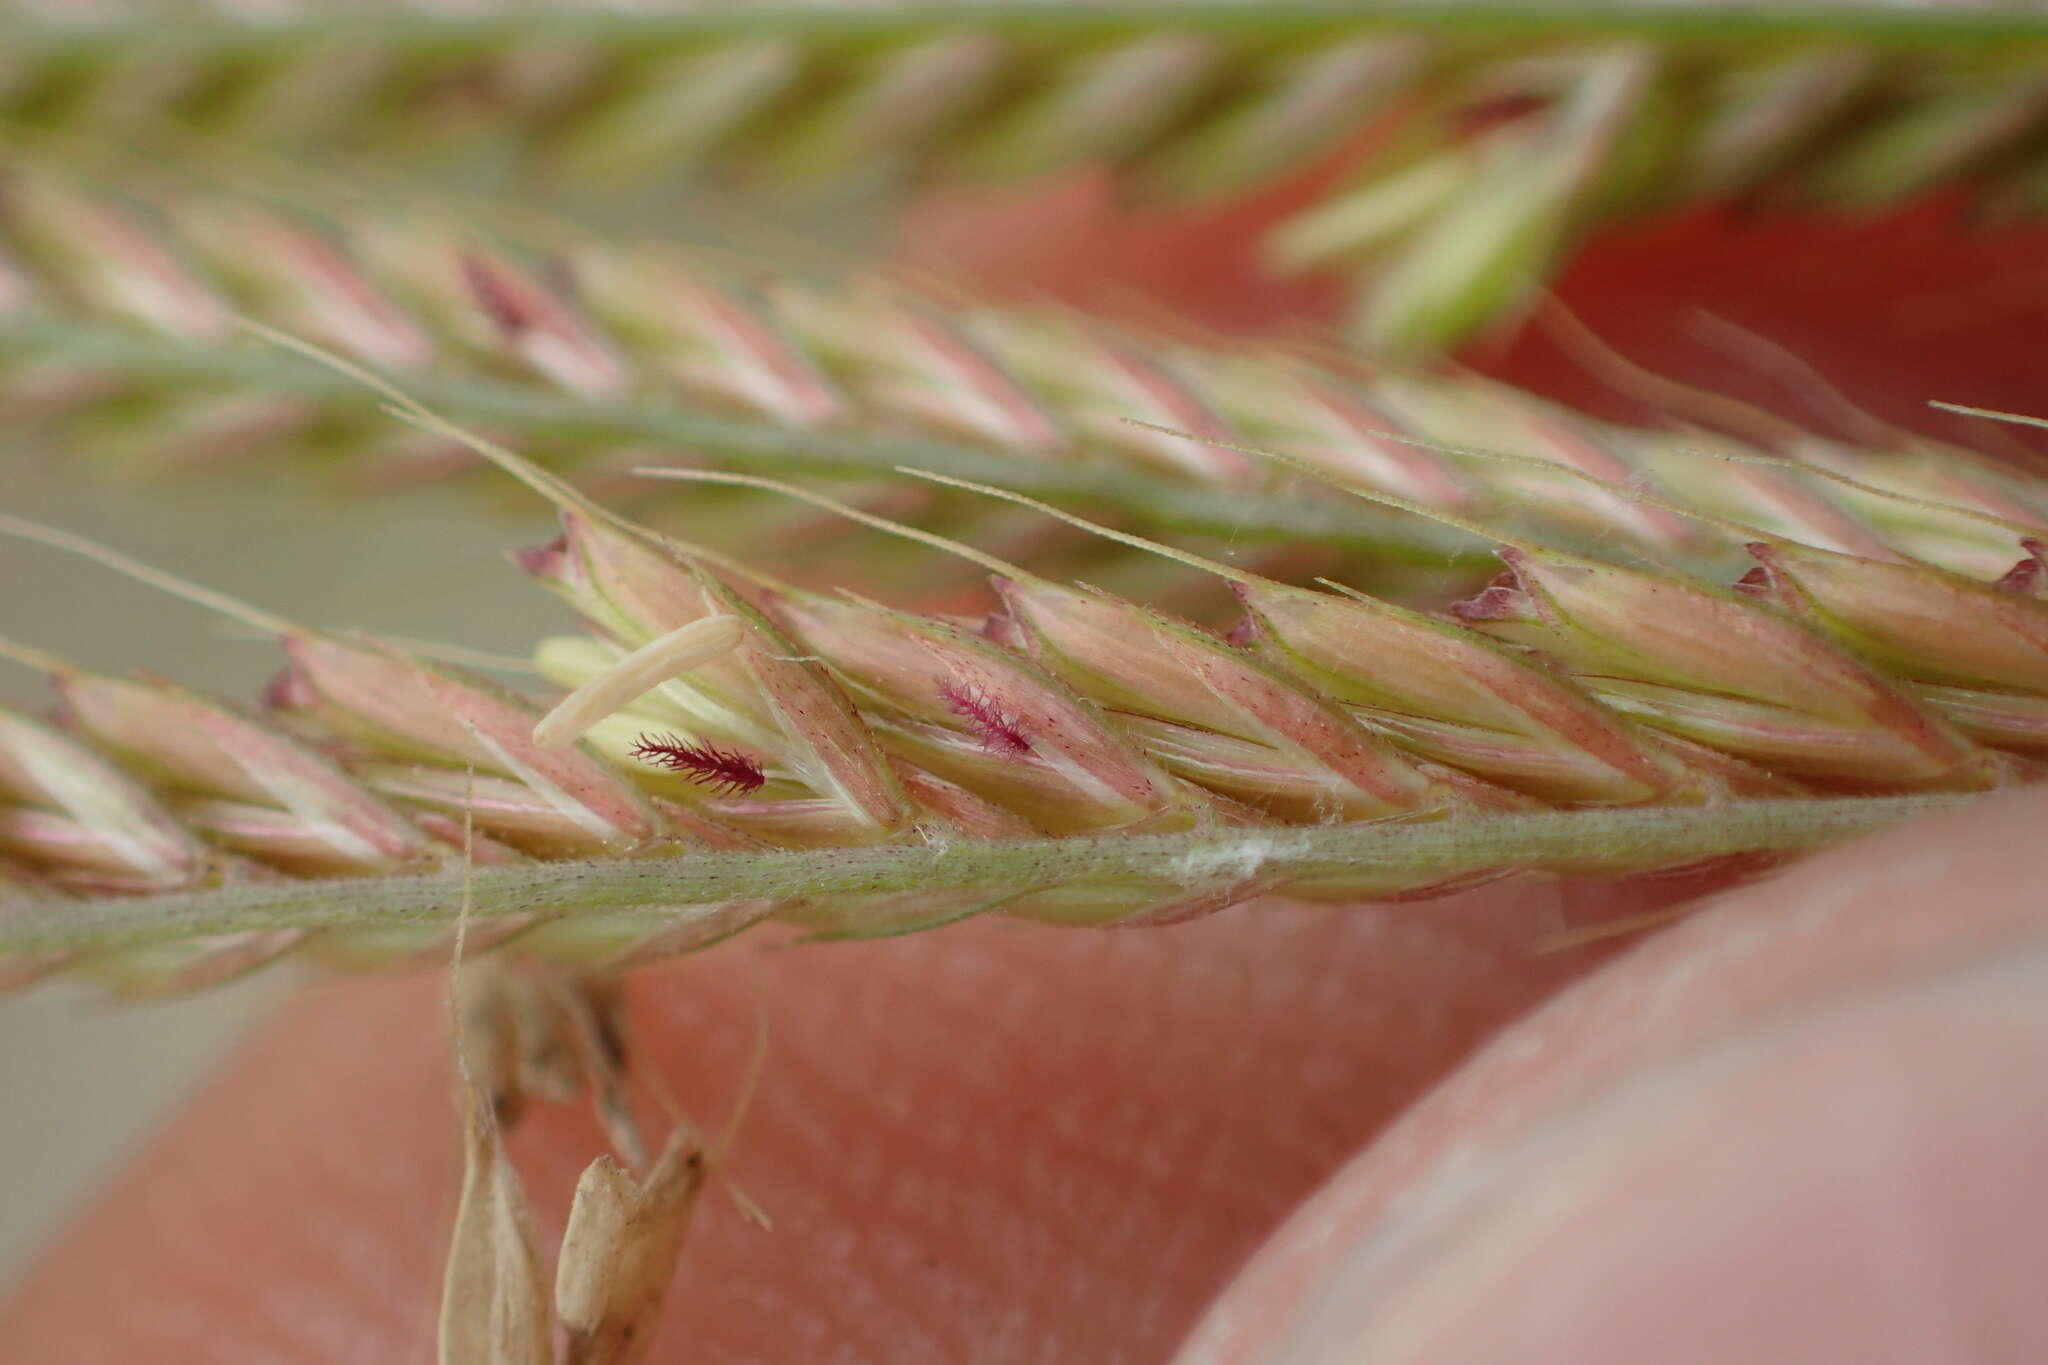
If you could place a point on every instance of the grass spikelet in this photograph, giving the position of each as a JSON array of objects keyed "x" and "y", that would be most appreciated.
[{"x": 1442, "y": 693}]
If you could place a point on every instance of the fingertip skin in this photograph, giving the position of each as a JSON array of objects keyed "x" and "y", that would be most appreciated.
[
  {"x": 999, "y": 1141},
  {"x": 1856, "y": 1183},
  {"x": 1872, "y": 925}
]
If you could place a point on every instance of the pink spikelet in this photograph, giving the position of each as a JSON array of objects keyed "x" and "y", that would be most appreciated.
[
  {"x": 999, "y": 732},
  {"x": 722, "y": 770}
]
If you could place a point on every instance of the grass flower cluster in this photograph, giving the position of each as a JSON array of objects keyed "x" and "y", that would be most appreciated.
[{"x": 734, "y": 748}]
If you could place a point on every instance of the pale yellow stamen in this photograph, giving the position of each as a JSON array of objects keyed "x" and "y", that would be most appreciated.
[{"x": 639, "y": 673}]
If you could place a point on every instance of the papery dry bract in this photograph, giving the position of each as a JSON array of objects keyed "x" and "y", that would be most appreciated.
[
  {"x": 619, "y": 1253},
  {"x": 494, "y": 1302}
]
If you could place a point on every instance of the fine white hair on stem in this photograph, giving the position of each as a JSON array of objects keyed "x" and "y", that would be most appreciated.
[{"x": 646, "y": 668}]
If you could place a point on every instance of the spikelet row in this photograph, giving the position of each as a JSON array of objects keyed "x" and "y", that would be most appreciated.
[
  {"x": 1493, "y": 134},
  {"x": 741, "y": 749},
  {"x": 631, "y": 346}
]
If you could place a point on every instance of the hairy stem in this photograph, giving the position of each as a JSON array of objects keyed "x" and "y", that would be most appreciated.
[{"x": 668, "y": 888}]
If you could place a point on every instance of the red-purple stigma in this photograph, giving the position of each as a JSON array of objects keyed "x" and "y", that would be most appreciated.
[
  {"x": 719, "y": 769},
  {"x": 998, "y": 731}
]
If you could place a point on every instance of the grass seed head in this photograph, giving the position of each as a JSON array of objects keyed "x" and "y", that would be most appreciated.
[
  {"x": 1726, "y": 671},
  {"x": 2029, "y": 576},
  {"x": 1450, "y": 695},
  {"x": 623, "y": 584},
  {"x": 883, "y": 733},
  {"x": 302, "y": 276},
  {"x": 1928, "y": 625},
  {"x": 274, "y": 793},
  {"x": 1255, "y": 732},
  {"x": 1078, "y": 773},
  {"x": 412, "y": 709},
  {"x": 541, "y": 328}
]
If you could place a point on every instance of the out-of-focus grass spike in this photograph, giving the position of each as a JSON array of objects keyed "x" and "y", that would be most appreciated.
[
  {"x": 781, "y": 375},
  {"x": 1849, "y": 105}
]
